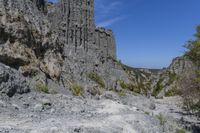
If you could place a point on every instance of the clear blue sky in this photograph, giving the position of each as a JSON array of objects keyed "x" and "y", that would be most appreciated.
[{"x": 149, "y": 33}]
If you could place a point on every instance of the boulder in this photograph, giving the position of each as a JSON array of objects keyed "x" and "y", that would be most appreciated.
[{"x": 12, "y": 82}]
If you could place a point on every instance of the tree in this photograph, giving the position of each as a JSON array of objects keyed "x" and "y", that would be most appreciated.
[
  {"x": 190, "y": 81},
  {"x": 190, "y": 91},
  {"x": 193, "y": 47}
]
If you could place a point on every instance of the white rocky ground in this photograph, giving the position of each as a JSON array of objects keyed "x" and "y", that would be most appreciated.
[{"x": 47, "y": 113}]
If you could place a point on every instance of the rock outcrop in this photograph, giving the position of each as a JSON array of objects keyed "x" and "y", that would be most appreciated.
[
  {"x": 12, "y": 82},
  {"x": 168, "y": 79},
  {"x": 58, "y": 39}
]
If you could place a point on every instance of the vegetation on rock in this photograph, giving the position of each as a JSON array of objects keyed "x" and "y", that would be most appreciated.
[
  {"x": 162, "y": 119},
  {"x": 130, "y": 87},
  {"x": 180, "y": 131},
  {"x": 190, "y": 81},
  {"x": 172, "y": 92},
  {"x": 42, "y": 87},
  {"x": 122, "y": 93},
  {"x": 193, "y": 47},
  {"x": 77, "y": 89},
  {"x": 158, "y": 87},
  {"x": 96, "y": 78}
]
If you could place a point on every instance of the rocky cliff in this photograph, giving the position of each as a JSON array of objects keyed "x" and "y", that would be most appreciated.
[{"x": 58, "y": 41}]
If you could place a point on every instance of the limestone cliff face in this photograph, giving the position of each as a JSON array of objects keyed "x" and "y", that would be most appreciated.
[
  {"x": 106, "y": 42},
  {"x": 59, "y": 40},
  {"x": 167, "y": 81},
  {"x": 172, "y": 75},
  {"x": 161, "y": 82},
  {"x": 182, "y": 64},
  {"x": 27, "y": 42}
]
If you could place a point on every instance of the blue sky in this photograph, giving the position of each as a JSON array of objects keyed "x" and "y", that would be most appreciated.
[{"x": 149, "y": 33}]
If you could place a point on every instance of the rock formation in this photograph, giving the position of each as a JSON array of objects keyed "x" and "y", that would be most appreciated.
[
  {"x": 12, "y": 82},
  {"x": 59, "y": 40}
]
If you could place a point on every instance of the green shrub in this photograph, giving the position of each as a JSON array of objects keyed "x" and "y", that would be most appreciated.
[
  {"x": 180, "y": 131},
  {"x": 190, "y": 81},
  {"x": 193, "y": 53},
  {"x": 95, "y": 77},
  {"x": 172, "y": 92},
  {"x": 158, "y": 87},
  {"x": 140, "y": 87},
  {"x": 121, "y": 93},
  {"x": 193, "y": 47},
  {"x": 131, "y": 87},
  {"x": 123, "y": 84},
  {"x": 42, "y": 88},
  {"x": 162, "y": 119},
  {"x": 77, "y": 90},
  {"x": 190, "y": 91},
  {"x": 172, "y": 77},
  {"x": 147, "y": 113},
  {"x": 135, "y": 89},
  {"x": 197, "y": 80}
]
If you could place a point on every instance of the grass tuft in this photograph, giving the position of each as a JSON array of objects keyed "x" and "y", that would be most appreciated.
[
  {"x": 77, "y": 89},
  {"x": 180, "y": 131},
  {"x": 96, "y": 78},
  {"x": 162, "y": 119},
  {"x": 42, "y": 88}
]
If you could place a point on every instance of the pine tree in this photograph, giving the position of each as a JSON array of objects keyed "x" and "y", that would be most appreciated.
[{"x": 193, "y": 47}]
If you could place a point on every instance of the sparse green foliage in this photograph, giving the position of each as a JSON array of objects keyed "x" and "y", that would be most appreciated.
[
  {"x": 172, "y": 77},
  {"x": 119, "y": 62},
  {"x": 121, "y": 93},
  {"x": 172, "y": 92},
  {"x": 197, "y": 76},
  {"x": 197, "y": 32},
  {"x": 33, "y": 73},
  {"x": 42, "y": 88},
  {"x": 77, "y": 89},
  {"x": 193, "y": 47},
  {"x": 194, "y": 50},
  {"x": 162, "y": 119},
  {"x": 123, "y": 84},
  {"x": 158, "y": 87},
  {"x": 147, "y": 113},
  {"x": 190, "y": 83},
  {"x": 130, "y": 87},
  {"x": 190, "y": 89},
  {"x": 180, "y": 131},
  {"x": 95, "y": 77},
  {"x": 141, "y": 87},
  {"x": 136, "y": 89}
]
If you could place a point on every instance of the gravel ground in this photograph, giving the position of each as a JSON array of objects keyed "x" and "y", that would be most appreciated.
[{"x": 46, "y": 113}]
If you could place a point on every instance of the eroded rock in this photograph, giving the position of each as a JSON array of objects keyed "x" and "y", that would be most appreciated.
[{"x": 12, "y": 82}]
